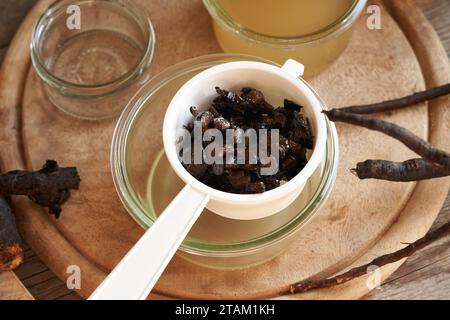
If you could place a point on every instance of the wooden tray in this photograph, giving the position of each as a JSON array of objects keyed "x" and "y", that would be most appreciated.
[{"x": 362, "y": 219}]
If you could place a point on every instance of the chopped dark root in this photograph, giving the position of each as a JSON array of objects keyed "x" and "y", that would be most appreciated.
[{"x": 250, "y": 110}]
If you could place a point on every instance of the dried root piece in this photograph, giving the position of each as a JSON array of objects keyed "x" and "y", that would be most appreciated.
[
  {"x": 48, "y": 187},
  {"x": 249, "y": 110},
  {"x": 410, "y": 170}
]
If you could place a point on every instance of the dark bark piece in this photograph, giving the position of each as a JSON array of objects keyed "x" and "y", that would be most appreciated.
[
  {"x": 239, "y": 182},
  {"x": 196, "y": 170},
  {"x": 227, "y": 96},
  {"x": 410, "y": 170},
  {"x": 403, "y": 102},
  {"x": 288, "y": 104},
  {"x": 252, "y": 95},
  {"x": 407, "y": 251},
  {"x": 279, "y": 120},
  {"x": 256, "y": 187},
  {"x": 415, "y": 143},
  {"x": 289, "y": 163},
  {"x": 217, "y": 169},
  {"x": 11, "y": 253},
  {"x": 271, "y": 183},
  {"x": 49, "y": 187}
]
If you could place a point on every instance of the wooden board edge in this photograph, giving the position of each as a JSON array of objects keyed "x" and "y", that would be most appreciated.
[{"x": 16, "y": 159}]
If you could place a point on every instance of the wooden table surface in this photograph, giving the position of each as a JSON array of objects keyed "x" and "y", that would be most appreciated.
[{"x": 425, "y": 275}]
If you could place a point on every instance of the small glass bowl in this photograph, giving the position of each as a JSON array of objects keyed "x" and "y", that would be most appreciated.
[
  {"x": 92, "y": 66},
  {"x": 314, "y": 50},
  {"x": 146, "y": 183}
]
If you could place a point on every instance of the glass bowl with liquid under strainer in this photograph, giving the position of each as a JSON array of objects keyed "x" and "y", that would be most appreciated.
[{"x": 146, "y": 184}]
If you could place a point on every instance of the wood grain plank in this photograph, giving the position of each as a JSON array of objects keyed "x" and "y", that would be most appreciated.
[
  {"x": 12, "y": 13},
  {"x": 56, "y": 292},
  {"x": 69, "y": 296},
  {"x": 11, "y": 288},
  {"x": 438, "y": 12},
  {"x": 429, "y": 281},
  {"x": 38, "y": 278},
  {"x": 45, "y": 285},
  {"x": 48, "y": 286},
  {"x": 32, "y": 266}
]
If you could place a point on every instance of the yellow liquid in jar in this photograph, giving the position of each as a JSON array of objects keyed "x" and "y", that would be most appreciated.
[{"x": 285, "y": 19}]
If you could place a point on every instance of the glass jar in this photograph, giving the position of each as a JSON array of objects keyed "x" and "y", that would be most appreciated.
[
  {"x": 92, "y": 55},
  {"x": 146, "y": 183},
  {"x": 315, "y": 48}
]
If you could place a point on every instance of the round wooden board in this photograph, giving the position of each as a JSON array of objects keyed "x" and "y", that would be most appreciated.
[{"x": 362, "y": 219}]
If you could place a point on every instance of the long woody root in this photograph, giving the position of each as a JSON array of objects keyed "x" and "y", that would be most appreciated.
[
  {"x": 415, "y": 143},
  {"x": 407, "y": 251},
  {"x": 403, "y": 102},
  {"x": 409, "y": 170},
  {"x": 434, "y": 164}
]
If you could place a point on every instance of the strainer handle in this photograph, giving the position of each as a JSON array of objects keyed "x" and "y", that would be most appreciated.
[{"x": 136, "y": 274}]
